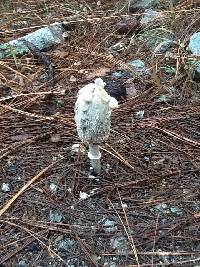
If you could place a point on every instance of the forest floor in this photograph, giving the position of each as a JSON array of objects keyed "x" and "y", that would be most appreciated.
[{"x": 144, "y": 208}]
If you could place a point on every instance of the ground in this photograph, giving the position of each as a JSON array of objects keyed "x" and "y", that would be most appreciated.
[{"x": 144, "y": 208}]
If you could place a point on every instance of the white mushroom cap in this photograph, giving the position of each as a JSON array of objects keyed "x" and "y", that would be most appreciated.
[
  {"x": 100, "y": 82},
  {"x": 92, "y": 112}
]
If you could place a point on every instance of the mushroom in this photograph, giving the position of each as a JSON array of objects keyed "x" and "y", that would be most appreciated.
[{"x": 93, "y": 118}]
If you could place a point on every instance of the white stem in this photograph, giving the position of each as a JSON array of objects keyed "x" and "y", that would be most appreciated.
[{"x": 95, "y": 155}]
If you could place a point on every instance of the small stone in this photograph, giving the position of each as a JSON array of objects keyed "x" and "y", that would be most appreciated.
[
  {"x": 109, "y": 226},
  {"x": 124, "y": 206},
  {"x": 5, "y": 188},
  {"x": 55, "y": 138},
  {"x": 22, "y": 263},
  {"x": 65, "y": 244},
  {"x": 55, "y": 217},
  {"x": 107, "y": 168},
  {"x": 150, "y": 16},
  {"x": 116, "y": 48},
  {"x": 115, "y": 89},
  {"x": 163, "y": 46},
  {"x": 83, "y": 195},
  {"x": 120, "y": 244},
  {"x": 139, "y": 67},
  {"x": 120, "y": 74},
  {"x": 163, "y": 98},
  {"x": 69, "y": 189},
  {"x": 128, "y": 26},
  {"x": 110, "y": 263},
  {"x": 53, "y": 187},
  {"x": 136, "y": 5},
  {"x": 72, "y": 78},
  {"x": 176, "y": 210},
  {"x": 65, "y": 35},
  {"x": 78, "y": 63},
  {"x": 146, "y": 159},
  {"x": 196, "y": 206},
  {"x": 162, "y": 208},
  {"x": 59, "y": 103},
  {"x": 139, "y": 114},
  {"x": 158, "y": 40},
  {"x": 90, "y": 176},
  {"x": 194, "y": 43},
  {"x": 54, "y": 158},
  {"x": 149, "y": 146},
  {"x": 93, "y": 190},
  {"x": 76, "y": 148},
  {"x": 194, "y": 47},
  {"x": 159, "y": 162},
  {"x": 131, "y": 90}
]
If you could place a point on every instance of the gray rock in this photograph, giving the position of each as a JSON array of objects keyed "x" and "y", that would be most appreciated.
[
  {"x": 117, "y": 48},
  {"x": 139, "y": 114},
  {"x": 194, "y": 47},
  {"x": 194, "y": 43},
  {"x": 163, "y": 98},
  {"x": 198, "y": 67},
  {"x": 176, "y": 211},
  {"x": 120, "y": 244},
  {"x": 22, "y": 263},
  {"x": 142, "y": 4},
  {"x": 148, "y": 146},
  {"x": 159, "y": 162},
  {"x": 196, "y": 206},
  {"x": 161, "y": 208},
  {"x": 158, "y": 40},
  {"x": 149, "y": 16},
  {"x": 55, "y": 216},
  {"x": 120, "y": 74},
  {"x": 65, "y": 244},
  {"x": 163, "y": 46},
  {"x": 139, "y": 67},
  {"x": 109, "y": 261},
  {"x": 110, "y": 264},
  {"x": 5, "y": 188},
  {"x": 72, "y": 78},
  {"x": 53, "y": 187},
  {"x": 146, "y": 158},
  {"x": 164, "y": 258},
  {"x": 109, "y": 226},
  {"x": 42, "y": 38}
]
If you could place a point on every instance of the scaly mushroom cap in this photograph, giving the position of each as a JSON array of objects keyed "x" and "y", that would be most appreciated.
[{"x": 92, "y": 112}]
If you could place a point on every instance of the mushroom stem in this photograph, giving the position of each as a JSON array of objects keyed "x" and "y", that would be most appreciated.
[{"x": 94, "y": 156}]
